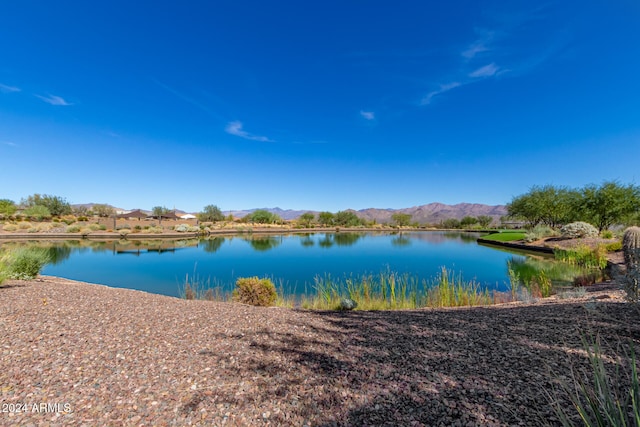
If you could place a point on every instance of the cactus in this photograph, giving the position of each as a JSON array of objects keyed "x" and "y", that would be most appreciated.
[
  {"x": 631, "y": 246},
  {"x": 631, "y": 249}
]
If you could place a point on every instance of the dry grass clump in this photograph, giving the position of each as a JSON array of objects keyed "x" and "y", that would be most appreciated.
[{"x": 255, "y": 291}]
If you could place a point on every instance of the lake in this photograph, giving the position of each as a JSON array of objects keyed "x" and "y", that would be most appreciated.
[{"x": 293, "y": 261}]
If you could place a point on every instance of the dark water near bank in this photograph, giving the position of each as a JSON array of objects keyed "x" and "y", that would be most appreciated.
[{"x": 292, "y": 261}]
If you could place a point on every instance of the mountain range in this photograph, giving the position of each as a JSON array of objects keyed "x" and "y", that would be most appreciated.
[{"x": 431, "y": 213}]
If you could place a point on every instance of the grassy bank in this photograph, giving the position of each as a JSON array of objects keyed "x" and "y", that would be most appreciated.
[
  {"x": 505, "y": 236},
  {"x": 387, "y": 290}
]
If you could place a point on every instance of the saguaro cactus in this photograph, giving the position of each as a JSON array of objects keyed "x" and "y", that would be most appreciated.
[
  {"x": 631, "y": 246},
  {"x": 631, "y": 249}
]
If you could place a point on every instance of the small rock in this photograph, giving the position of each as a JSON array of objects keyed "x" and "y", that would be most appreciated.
[{"x": 347, "y": 304}]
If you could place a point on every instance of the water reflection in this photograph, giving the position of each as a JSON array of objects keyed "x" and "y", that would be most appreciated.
[
  {"x": 561, "y": 274},
  {"x": 264, "y": 243},
  {"x": 58, "y": 254},
  {"x": 213, "y": 244},
  {"x": 401, "y": 241},
  {"x": 306, "y": 240},
  {"x": 340, "y": 239},
  {"x": 420, "y": 254}
]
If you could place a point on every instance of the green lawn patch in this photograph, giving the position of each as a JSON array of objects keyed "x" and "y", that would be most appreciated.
[{"x": 505, "y": 236}]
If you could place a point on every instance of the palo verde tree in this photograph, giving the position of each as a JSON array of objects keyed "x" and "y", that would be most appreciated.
[
  {"x": 306, "y": 219},
  {"x": 401, "y": 219},
  {"x": 103, "y": 210},
  {"x": 159, "y": 211},
  {"x": 56, "y": 205},
  {"x": 262, "y": 216},
  {"x": 484, "y": 220},
  {"x": 609, "y": 203},
  {"x": 347, "y": 219},
  {"x": 468, "y": 221},
  {"x": 326, "y": 218},
  {"x": 7, "y": 207},
  {"x": 550, "y": 205},
  {"x": 211, "y": 213}
]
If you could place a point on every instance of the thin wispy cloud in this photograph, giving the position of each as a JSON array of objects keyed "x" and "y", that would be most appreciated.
[
  {"x": 483, "y": 44},
  {"x": 8, "y": 89},
  {"x": 235, "y": 128},
  {"x": 53, "y": 100},
  {"x": 9, "y": 143},
  {"x": 189, "y": 100},
  {"x": 368, "y": 115},
  {"x": 486, "y": 71},
  {"x": 443, "y": 88}
]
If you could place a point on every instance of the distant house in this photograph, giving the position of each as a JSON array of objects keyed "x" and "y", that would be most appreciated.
[
  {"x": 168, "y": 215},
  {"x": 133, "y": 214}
]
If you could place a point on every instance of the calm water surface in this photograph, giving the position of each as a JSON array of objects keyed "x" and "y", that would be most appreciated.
[{"x": 293, "y": 261}]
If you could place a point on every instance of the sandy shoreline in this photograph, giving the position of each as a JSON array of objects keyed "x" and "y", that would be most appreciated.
[{"x": 124, "y": 357}]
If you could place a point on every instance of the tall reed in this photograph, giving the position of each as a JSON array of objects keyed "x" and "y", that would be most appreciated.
[{"x": 391, "y": 290}]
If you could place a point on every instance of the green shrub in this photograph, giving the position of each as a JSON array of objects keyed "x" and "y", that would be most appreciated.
[
  {"x": 73, "y": 229},
  {"x": 613, "y": 247},
  {"x": 607, "y": 234},
  {"x": 37, "y": 212},
  {"x": 83, "y": 218},
  {"x": 94, "y": 227},
  {"x": 255, "y": 291},
  {"x": 24, "y": 225},
  {"x": 579, "y": 229},
  {"x": 26, "y": 263}
]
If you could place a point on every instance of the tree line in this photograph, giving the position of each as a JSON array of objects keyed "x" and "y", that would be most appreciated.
[{"x": 603, "y": 205}]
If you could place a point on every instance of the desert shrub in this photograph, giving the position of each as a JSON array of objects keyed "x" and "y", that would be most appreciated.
[
  {"x": 44, "y": 227},
  {"x": 607, "y": 234},
  {"x": 539, "y": 232},
  {"x": 10, "y": 227},
  {"x": 37, "y": 212},
  {"x": 613, "y": 247},
  {"x": 73, "y": 229},
  {"x": 137, "y": 228},
  {"x": 123, "y": 226},
  {"x": 255, "y": 291},
  {"x": 94, "y": 227},
  {"x": 182, "y": 228},
  {"x": 68, "y": 219},
  {"x": 85, "y": 230},
  {"x": 124, "y": 232},
  {"x": 24, "y": 225},
  {"x": 102, "y": 227},
  {"x": 83, "y": 218},
  {"x": 579, "y": 229},
  {"x": 26, "y": 263}
]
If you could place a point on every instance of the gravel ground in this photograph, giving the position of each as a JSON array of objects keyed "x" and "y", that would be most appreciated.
[{"x": 101, "y": 356}]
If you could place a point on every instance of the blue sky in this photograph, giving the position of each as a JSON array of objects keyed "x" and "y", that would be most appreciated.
[{"x": 315, "y": 105}]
